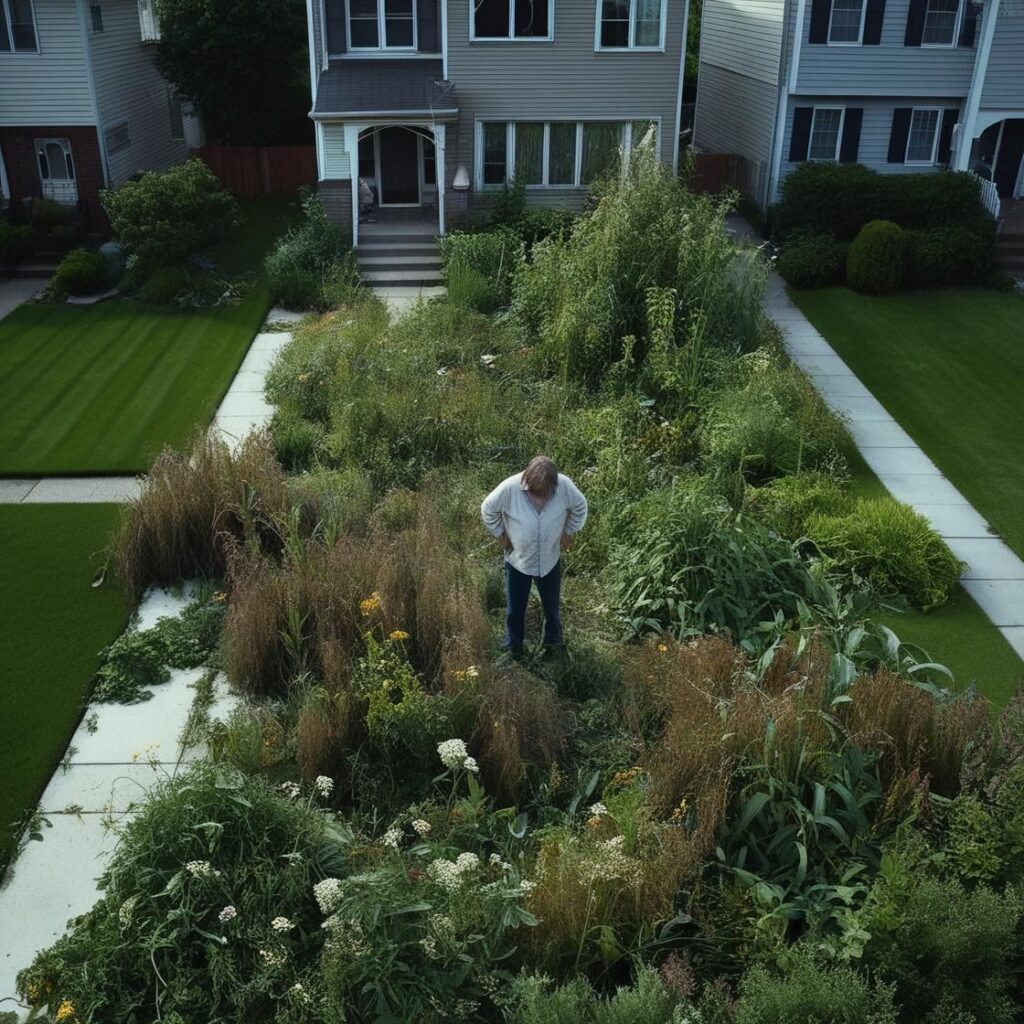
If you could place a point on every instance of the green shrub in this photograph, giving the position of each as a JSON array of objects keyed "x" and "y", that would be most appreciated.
[
  {"x": 813, "y": 994},
  {"x": 164, "y": 217},
  {"x": 812, "y": 261},
  {"x": 295, "y": 441},
  {"x": 342, "y": 498},
  {"x": 951, "y": 953},
  {"x": 468, "y": 287},
  {"x": 162, "y": 287},
  {"x": 494, "y": 256},
  {"x": 875, "y": 263},
  {"x": 786, "y": 503},
  {"x": 956, "y": 255},
  {"x": 828, "y": 198},
  {"x": 293, "y": 286},
  {"x": 536, "y": 223},
  {"x": 81, "y": 273},
  {"x": 161, "y": 934},
  {"x": 891, "y": 546},
  {"x": 48, "y": 214},
  {"x": 15, "y": 241}
]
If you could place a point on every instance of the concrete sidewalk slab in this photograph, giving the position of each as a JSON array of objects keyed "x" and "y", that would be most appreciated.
[
  {"x": 99, "y": 788},
  {"x": 880, "y": 433},
  {"x": 1001, "y": 600},
  {"x": 953, "y": 521},
  {"x": 906, "y": 461}
]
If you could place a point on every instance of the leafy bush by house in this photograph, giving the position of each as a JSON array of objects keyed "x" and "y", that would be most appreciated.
[
  {"x": 788, "y": 502},
  {"x": 15, "y": 241},
  {"x": 963, "y": 253},
  {"x": 48, "y": 214},
  {"x": 468, "y": 287},
  {"x": 812, "y": 261},
  {"x": 163, "y": 217},
  {"x": 876, "y": 259},
  {"x": 81, "y": 273},
  {"x": 890, "y": 545},
  {"x": 493, "y": 255}
]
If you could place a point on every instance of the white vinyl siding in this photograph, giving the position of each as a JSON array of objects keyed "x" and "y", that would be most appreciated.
[
  {"x": 1004, "y": 79},
  {"x": 51, "y": 86},
  {"x": 336, "y": 160},
  {"x": 130, "y": 90},
  {"x": 18, "y": 27}
]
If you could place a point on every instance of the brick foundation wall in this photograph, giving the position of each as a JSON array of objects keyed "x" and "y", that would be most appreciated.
[
  {"x": 337, "y": 200},
  {"x": 19, "y": 151}
]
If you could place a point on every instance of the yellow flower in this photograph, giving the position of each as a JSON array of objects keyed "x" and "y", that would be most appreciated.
[
  {"x": 370, "y": 604},
  {"x": 303, "y": 377},
  {"x": 65, "y": 1011},
  {"x": 398, "y": 634},
  {"x": 220, "y": 596},
  {"x": 662, "y": 648}
]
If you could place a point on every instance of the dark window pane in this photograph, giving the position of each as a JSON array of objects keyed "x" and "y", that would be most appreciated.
[
  {"x": 367, "y": 160},
  {"x": 495, "y": 153},
  {"x": 531, "y": 18},
  {"x": 429, "y": 163},
  {"x": 5, "y": 39},
  {"x": 22, "y": 27},
  {"x": 615, "y": 23},
  {"x": 562, "y": 154},
  {"x": 44, "y": 166},
  {"x": 490, "y": 19},
  {"x": 363, "y": 8},
  {"x": 398, "y": 31},
  {"x": 648, "y": 23},
  {"x": 529, "y": 153},
  {"x": 96, "y": 13},
  {"x": 601, "y": 142},
  {"x": 364, "y": 32},
  {"x": 640, "y": 130},
  {"x": 397, "y": 8}
]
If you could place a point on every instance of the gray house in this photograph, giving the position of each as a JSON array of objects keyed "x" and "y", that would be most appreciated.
[
  {"x": 434, "y": 105},
  {"x": 82, "y": 106},
  {"x": 898, "y": 85}
]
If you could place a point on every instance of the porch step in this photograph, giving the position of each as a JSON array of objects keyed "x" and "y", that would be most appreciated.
[
  {"x": 35, "y": 271},
  {"x": 373, "y": 248},
  {"x": 421, "y": 278},
  {"x": 395, "y": 237},
  {"x": 399, "y": 262}
]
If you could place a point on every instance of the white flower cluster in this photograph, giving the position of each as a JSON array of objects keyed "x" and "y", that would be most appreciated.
[
  {"x": 297, "y": 991},
  {"x": 526, "y": 887},
  {"x": 124, "y": 914},
  {"x": 392, "y": 838},
  {"x": 598, "y": 810},
  {"x": 470, "y": 765},
  {"x": 290, "y": 789},
  {"x": 421, "y": 828},
  {"x": 451, "y": 874},
  {"x": 201, "y": 869},
  {"x": 495, "y": 859},
  {"x": 453, "y": 753},
  {"x": 327, "y": 893},
  {"x": 282, "y": 924},
  {"x": 324, "y": 785},
  {"x": 615, "y": 843},
  {"x": 227, "y": 914},
  {"x": 273, "y": 957}
]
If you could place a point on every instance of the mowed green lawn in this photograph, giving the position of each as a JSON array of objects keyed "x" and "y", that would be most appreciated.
[
  {"x": 949, "y": 367},
  {"x": 52, "y": 626},
  {"x": 102, "y": 388}
]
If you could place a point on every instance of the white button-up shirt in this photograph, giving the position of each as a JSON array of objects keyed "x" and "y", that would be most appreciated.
[{"x": 535, "y": 535}]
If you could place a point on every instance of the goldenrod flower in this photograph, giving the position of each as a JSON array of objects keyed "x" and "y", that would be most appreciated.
[
  {"x": 398, "y": 634},
  {"x": 65, "y": 1011},
  {"x": 371, "y": 604},
  {"x": 662, "y": 648}
]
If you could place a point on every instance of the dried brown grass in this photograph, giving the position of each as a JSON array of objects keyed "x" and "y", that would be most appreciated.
[{"x": 328, "y": 726}]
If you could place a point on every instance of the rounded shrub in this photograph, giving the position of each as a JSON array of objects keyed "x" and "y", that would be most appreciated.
[
  {"x": 891, "y": 546},
  {"x": 163, "y": 285},
  {"x": 295, "y": 441},
  {"x": 81, "y": 273},
  {"x": 786, "y": 504},
  {"x": 875, "y": 262},
  {"x": 812, "y": 261}
]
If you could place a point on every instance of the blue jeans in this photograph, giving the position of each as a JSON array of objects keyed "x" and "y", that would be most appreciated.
[{"x": 517, "y": 593}]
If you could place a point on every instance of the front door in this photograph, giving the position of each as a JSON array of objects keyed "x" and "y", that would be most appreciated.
[
  {"x": 399, "y": 166},
  {"x": 56, "y": 170},
  {"x": 1011, "y": 149}
]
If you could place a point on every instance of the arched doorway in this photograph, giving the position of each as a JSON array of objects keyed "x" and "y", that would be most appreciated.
[
  {"x": 999, "y": 156},
  {"x": 398, "y": 162}
]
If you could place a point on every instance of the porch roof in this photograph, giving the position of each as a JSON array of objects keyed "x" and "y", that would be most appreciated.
[{"x": 384, "y": 88}]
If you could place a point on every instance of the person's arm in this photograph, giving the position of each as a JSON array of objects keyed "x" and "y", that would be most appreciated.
[
  {"x": 492, "y": 513},
  {"x": 577, "y": 509}
]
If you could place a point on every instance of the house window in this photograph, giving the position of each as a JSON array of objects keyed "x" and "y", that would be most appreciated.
[
  {"x": 367, "y": 158},
  {"x": 17, "y": 26},
  {"x": 847, "y": 22},
  {"x": 631, "y": 24},
  {"x": 512, "y": 19},
  {"x": 923, "y": 138},
  {"x": 96, "y": 14},
  {"x": 148, "y": 24},
  {"x": 56, "y": 170},
  {"x": 381, "y": 25},
  {"x": 555, "y": 154},
  {"x": 940, "y": 23},
  {"x": 826, "y": 131},
  {"x": 176, "y": 112},
  {"x": 117, "y": 138}
]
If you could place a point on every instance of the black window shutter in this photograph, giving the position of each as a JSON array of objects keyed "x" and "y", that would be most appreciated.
[
  {"x": 969, "y": 26},
  {"x": 873, "y": 18},
  {"x": 898, "y": 135},
  {"x": 821, "y": 11},
  {"x": 850, "y": 143},
  {"x": 800, "y": 138},
  {"x": 915, "y": 22},
  {"x": 426, "y": 28},
  {"x": 949, "y": 119}
]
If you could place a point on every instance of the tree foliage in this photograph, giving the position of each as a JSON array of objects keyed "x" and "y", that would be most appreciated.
[{"x": 243, "y": 63}]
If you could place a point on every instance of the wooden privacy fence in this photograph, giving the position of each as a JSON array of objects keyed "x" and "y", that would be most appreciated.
[
  {"x": 717, "y": 172},
  {"x": 260, "y": 170}
]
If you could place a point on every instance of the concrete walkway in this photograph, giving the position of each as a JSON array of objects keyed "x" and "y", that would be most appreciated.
[
  {"x": 116, "y": 755},
  {"x": 17, "y": 290},
  {"x": 995, "y": 575}
]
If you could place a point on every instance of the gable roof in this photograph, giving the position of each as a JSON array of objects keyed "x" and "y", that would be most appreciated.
[{"x": 384, "y": 87}]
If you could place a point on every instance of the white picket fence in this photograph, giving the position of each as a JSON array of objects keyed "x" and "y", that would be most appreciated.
[{"x": 989, "y": 195}]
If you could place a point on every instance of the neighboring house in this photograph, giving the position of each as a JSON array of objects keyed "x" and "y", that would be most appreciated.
[
  {"x": 82, "y": 106},
  {"x": 437, "y": 104},
  {"x": 897, "y": 85}
]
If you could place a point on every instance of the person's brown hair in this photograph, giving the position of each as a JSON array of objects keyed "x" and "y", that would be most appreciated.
[{"x": 541, "y": 475}]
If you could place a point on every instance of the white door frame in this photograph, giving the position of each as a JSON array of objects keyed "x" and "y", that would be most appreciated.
[
  {"x": 377, "y": 161},
  {"x": 5, "y": 185}
]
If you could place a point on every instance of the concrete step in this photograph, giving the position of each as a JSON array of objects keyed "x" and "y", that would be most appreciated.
[
  {"x": 401, "y": 277},
  {"x": 395, "y": 237},
  {"x": 398, "y": 262},
  {"x": 35, "y": 270},
  {"x": 382, "y": 248}
]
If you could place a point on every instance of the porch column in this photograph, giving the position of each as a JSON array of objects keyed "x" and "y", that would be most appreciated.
[
  {"x": 969, "y": 116},
  {"x": 439, "y": 174},
  {"x": 352, "y": 149}
]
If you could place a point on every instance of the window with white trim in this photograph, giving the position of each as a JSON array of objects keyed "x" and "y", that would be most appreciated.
[
  {"x": 826, "y": 132},
  {"x": 631, "y": 25},
  {"x": 17, "y": 27},
  {"x": 381, "y": 25},
  {"x": 117, "y": 137},
  {"x": 923, "y": 137},
  {"x": 555, "y": 154},
  {"x": 512, "y": 19},
  {"x": 149, "y": 26},
  {"x": 941, "y": 21},
  {"x": 846, "y": 24},
  {"x": 176, "y": 112}
]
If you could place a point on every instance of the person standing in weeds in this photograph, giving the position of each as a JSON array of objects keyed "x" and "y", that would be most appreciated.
[{"x": 534, "y": 514}]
